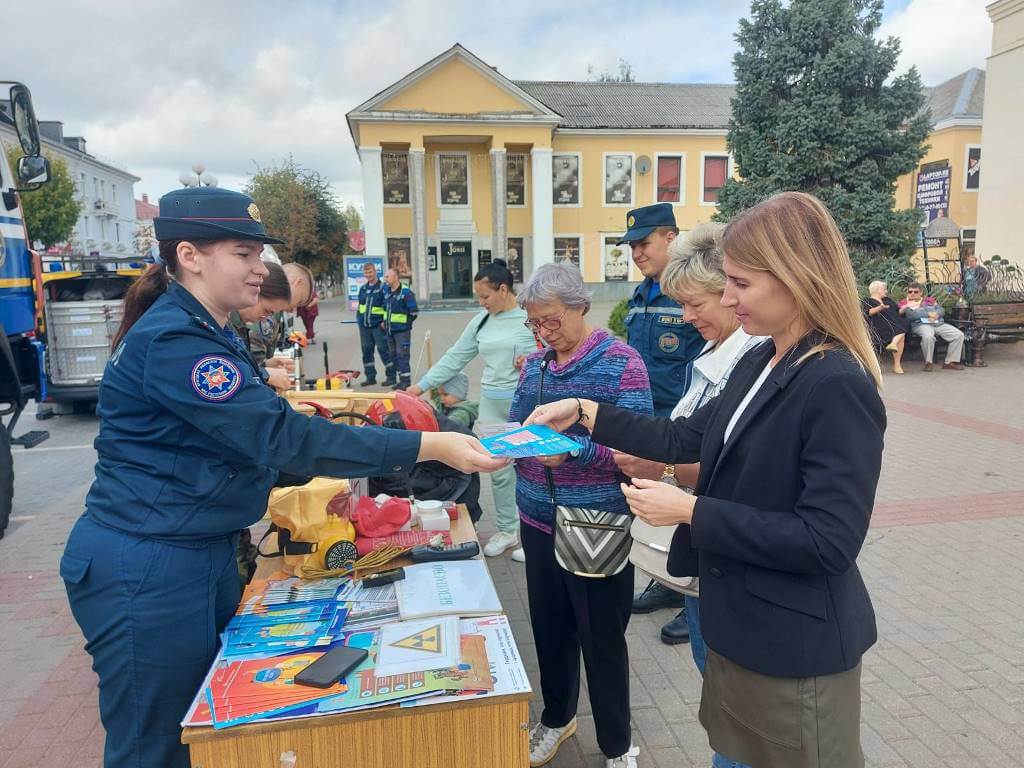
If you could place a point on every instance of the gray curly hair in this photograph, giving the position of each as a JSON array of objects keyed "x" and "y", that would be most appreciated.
[
  {"x": 556, "y": 282},
  {"x": 695, "y": 262}
]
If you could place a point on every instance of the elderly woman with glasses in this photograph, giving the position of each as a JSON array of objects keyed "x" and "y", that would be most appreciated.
[{"x": 572, "y": 613}]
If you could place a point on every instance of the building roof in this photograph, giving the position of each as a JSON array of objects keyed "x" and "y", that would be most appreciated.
[
  {"x": 634, "y": 105},
  {"x": 145, "y": 210},
  {"x": 961, "y": 97}
]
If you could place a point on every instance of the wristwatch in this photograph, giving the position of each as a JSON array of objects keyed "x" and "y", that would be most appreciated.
[{"x": 668, "y": 475}]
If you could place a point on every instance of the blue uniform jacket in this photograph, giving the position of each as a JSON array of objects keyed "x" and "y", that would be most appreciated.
[
  {"x": 191, "y": 440},
  {"x": 400, "y": 309},
  {"x": 655, "y": 328},
  {"x": 370, "y": 312}
]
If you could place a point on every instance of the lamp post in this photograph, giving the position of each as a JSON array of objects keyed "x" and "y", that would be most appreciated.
[
  {"x": 198, "y": 178},
  {"x": 942, "y": 228}
]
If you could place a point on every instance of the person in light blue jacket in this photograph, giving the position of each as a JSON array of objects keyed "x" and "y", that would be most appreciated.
[{"x": 500, "y": 336}]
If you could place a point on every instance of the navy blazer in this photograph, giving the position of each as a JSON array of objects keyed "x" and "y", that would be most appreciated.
[{"x": 782, "y": 511}]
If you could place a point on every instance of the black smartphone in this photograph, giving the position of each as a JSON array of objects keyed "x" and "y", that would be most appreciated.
[{"x": 331, "y": 667}]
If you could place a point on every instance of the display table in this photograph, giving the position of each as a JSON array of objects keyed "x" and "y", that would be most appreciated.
[{"x": 486, "y": 732}]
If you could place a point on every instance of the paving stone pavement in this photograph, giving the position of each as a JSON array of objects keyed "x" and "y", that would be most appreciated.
[{"x": 944, "y": 562}]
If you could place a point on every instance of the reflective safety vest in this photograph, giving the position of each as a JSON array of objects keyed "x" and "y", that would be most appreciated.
[
  {"x": 371, "y": 304},
  {"x": 400, "y": 309}
]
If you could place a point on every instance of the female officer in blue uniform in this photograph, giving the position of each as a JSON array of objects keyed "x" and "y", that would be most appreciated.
[{"x": 191, "y": 441}]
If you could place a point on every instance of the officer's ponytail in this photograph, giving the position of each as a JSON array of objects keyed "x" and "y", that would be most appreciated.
[{"x": 151, "y": 286}]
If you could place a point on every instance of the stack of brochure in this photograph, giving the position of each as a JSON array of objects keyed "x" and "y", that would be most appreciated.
[{"x": 453, "y": 588}]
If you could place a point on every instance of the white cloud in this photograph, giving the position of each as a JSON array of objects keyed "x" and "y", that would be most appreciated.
[
  {"x": 236, "y": 83},
  {"x": 942, "y": 38}
]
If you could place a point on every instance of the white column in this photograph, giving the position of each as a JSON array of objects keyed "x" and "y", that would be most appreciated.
[
  {"x": 499, "y": 205},
  {"x": 373, "y": 201},
  {"x": 420, "y": 275},
  {"x": 543, "y": 232}
]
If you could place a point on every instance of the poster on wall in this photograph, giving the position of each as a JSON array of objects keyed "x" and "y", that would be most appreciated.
[
  {"x": 567, "y": 250},
  {"x": 932, "y": 196},
  {"x": 566, "y": 172},
  {"x": 515, "y": 179},
  {"x": 483, "y": 258},
  {"x": 354, "y": 278},
  {"x": 616, "y": 260},
  {"x": 973, "y": 168},
  {"x": 395, "y": 169},
  {"x": 618, "y": 180},
  {"x": 515, "y": 258},
  {"x": 399, "y": 258},
  {"x": 454, "y": 171}
]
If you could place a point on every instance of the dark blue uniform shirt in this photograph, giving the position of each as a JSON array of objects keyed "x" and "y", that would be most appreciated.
[
  {"x": 370, "y": 312},
  {"x": 191, "y": 440},
  {"x": 655, "y": 328},
  {"x": 400, "y": 309}
]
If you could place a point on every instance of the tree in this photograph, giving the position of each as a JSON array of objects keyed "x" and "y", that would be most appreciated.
[
  {"x": 625, "y": 74},
  {"x": 51, "y": 211},
  {"x": 297, "y": 205},
  {"x": 813, "y": 112},
  {"x": 353, "y": 222}
]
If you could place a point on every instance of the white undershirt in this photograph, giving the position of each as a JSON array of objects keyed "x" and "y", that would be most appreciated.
[{"x": 746, "y": 400}]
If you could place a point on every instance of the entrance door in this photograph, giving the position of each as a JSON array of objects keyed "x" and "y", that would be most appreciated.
[{"x": 457, "y": 269}]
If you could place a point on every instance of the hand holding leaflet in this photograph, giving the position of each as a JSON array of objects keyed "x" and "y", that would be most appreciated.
[{"x": 535, "y": 440}]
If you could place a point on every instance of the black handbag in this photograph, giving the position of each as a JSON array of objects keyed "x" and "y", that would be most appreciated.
[{"x": 588, "y": 542}]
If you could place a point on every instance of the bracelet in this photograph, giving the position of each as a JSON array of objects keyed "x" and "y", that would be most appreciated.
[{"x": 580, "y": 415}]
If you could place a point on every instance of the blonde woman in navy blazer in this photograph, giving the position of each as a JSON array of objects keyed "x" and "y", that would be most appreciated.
[{"x": 789, "y": 459}]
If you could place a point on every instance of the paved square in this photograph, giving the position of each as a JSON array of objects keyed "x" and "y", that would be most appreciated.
[{"x": 944, "y": 562}]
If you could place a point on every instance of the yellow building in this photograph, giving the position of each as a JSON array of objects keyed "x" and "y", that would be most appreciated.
[
  {"x": 461, "y": 165},
  {"x": 948, "y": 178}
]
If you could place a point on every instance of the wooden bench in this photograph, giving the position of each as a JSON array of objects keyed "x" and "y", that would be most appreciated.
[{"x": 994, "y": 322}]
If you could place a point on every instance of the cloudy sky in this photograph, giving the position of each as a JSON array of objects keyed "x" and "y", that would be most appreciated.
[{"x": 157, "y": 86}]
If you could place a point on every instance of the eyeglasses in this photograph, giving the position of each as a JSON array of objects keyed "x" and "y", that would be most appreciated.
[
  {"x": 548, "y": 324},
  {"x": 912, "y": 290}
]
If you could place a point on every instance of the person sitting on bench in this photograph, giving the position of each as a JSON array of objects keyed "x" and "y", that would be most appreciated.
[{"x": 925, "y": 316}]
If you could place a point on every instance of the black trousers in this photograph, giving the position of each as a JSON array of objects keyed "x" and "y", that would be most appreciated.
[{"x": 571, "y": 614}]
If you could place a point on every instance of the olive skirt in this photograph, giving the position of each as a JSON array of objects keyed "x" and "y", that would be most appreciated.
[{"x": 782, "y": 722}]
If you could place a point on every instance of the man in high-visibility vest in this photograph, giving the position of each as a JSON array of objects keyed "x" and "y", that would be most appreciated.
[
  {"x": 400, "y": 311},
  {"x": 370, "y": 319}
]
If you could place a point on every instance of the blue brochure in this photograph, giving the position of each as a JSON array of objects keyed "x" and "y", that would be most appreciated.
[{"x": 529, "y": 441}]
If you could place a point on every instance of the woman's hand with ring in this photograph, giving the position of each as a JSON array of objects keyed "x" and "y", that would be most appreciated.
[{"x": 659, "y": 503}]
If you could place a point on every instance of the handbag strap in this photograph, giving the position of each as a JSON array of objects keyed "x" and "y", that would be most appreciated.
[{"x": 548, "y": 357}]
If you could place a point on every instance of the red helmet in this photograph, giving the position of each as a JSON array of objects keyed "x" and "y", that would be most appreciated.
[{"x": 403, "y": 412}]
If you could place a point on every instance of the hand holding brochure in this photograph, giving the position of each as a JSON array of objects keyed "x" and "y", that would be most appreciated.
[{"x": 535, "y": 440}]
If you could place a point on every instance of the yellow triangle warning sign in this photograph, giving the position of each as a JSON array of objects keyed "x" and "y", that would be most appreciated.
[{"x": 428, "y": 640}]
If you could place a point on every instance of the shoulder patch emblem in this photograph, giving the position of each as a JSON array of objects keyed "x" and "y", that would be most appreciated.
[
  {"x": 668, "y": 342},
  {"x": 216, "y": 378}
]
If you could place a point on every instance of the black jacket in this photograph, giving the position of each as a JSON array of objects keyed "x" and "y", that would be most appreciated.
[{"x": 782, "y": 512}]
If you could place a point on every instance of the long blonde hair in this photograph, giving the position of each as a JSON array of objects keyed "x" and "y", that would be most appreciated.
[{"x": 792, "y": 236}]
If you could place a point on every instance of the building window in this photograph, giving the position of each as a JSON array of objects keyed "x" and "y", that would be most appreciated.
[
  {"x": 103, "y": 189},
  {"x": 515, "y": 179},
  {"x": 453, "y": 179},
  {"x": 95, "y": 188},
  {"x": 967, "y": 237},
  {"x": 85, "y": 226},
  {"x": 615, "y": 261},
  {"x": 972, "y": 172},
  {"x": 399, "y": 257},
  {"x": 81, "y": 185},
  {"x": 515, "y": 258},
  {"x": 567, "y": 250},
  {"x": 715, "y": 172},
  {"x": 113, "y": 193},
  {"x": 669, "y": 179},
  {"x": 117, "y": 232},
  {"x": 395, "y": 169},
  {"x": 565, "y": 179},
  {"x": 618, "y": 179}
]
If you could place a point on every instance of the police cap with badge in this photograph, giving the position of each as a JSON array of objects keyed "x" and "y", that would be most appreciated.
[
  {"x": 643, "y": 221},
  {"x": 209, "y": 213}
]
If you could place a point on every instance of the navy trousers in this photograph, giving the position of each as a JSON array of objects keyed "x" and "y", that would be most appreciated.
[
  {"x": 151, "y": 612},
  {"x": 400, "y": 346},
  {"x": 375, "y": 337}
]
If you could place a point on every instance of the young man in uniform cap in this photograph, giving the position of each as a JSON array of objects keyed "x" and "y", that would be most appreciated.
[{"x": 667, "y": 344}]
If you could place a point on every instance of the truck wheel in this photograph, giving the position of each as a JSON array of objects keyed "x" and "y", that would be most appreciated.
[{"x": 6, "y": 479}]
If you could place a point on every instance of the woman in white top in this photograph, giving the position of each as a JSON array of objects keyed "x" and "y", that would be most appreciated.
[
  {"x": 500, "y": 336},
  {"x": 695, "y": 278}
]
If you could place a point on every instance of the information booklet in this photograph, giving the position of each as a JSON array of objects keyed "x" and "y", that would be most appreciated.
[
  {"x": 454, "y": 588},
  {"x": 535, "y": 440}
]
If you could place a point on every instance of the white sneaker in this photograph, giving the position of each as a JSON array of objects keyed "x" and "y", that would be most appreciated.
[
  {"x": 627, "y": 760},
  {"x": 499, "y": 542},
  {"x": 519, "y": 555},
  {"x": 544, "y": 742}
]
